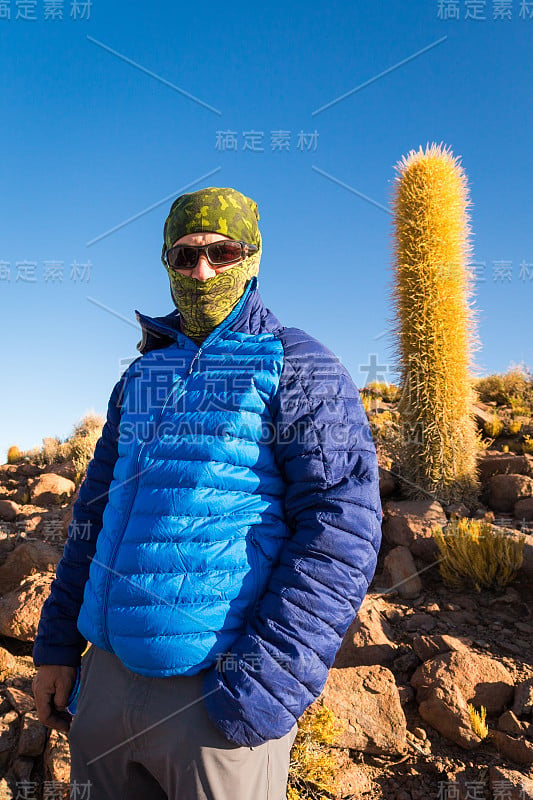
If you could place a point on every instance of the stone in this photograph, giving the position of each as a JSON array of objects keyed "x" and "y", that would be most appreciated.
[
  {"x": 57, "y": 757},
  {"x": 496, "y": 463},
  {"x": 366, "y": 700},
  {"x": 510, "y": 723},
  {"x": 20, "y": 610},
  {"x": 7, "y": 792},
  {"x": 420, "y": 621},
  {"x": 351, "y": 779},
  {"x": 509, "y": 784},
  {"x": 410, "y": 523},
  {"x": 504, "y": 491},
  {"x": 8, "y": 735},
  {"x": 518, "y": 750},
  {"x": 20, "y": 701},
  {"x": 27, "y": 559},
  {"x": 7, "y": 663},
  {"x": 446, "y": 711},
  {"x": 21, "y": 768},
  {"x": 400, "y": 570},
  {"x": 387, "y": 482},
  {"x": 32, "y": 736},
  {"x": 368, "y": 640},
  {"x": 427, "y": 647},
  {"x": 482, "y": 680},
  {"x": 523, "y": 509},
  {"x": 51, "y": 489},
  {"x": 8, "y": 509},
  {"x": 523, "y": 698}
]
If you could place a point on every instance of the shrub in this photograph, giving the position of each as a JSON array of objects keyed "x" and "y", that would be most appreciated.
[
  {"x": 313, "y": 767},
  {"x": 527, "y": 444},
  {"x": 477, "y": 719},
  {"x": 493, "y": 427},
  {"x": 387, "y": 391},
  {"x": 474, "y": 550},
  {"x": 80, "y": 446},
  {"x": 514, "y": 426},
  {"x": 513, "y": 388},
  {"x": 52, "y": 451}
]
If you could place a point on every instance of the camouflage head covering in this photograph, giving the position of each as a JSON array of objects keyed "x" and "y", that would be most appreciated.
[{"x": 204, "y": 304}]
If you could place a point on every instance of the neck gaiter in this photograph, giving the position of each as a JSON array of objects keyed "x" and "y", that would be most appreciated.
[{"x": 205, "y": 304}]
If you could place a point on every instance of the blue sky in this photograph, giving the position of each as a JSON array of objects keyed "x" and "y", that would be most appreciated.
[{"x": 114, "y": 109}]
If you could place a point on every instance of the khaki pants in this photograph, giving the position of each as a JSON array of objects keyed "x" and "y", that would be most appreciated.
[{"x": 141, "y": 738}]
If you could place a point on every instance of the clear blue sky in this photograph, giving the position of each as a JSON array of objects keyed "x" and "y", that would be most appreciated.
[{"x": 104, "y": 117}]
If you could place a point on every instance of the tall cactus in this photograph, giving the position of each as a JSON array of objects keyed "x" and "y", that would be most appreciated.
[{"x": 435, "y": 327}]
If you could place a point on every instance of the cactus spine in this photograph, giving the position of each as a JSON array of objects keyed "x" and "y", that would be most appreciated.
[{"x": 434, "y": 327}]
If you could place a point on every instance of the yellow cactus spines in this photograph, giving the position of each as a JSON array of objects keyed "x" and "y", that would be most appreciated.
[
  {"x": 13, "y": 454},
  {"x": 434, "y": 326}
]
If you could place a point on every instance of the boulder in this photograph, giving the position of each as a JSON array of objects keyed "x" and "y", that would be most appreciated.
[
  {"x": 482, "y": 680},
  {"x": 387, "y": 482},
  {"x": 495, "y": 463},
  {"x": 20, "y": 701},
  {"x": 523, "y": 698},
  {"x": 32, "y": 736},
  {"x": 427, "y": 647},
  {"x": 399, "y": 569},
  {"x": 504, "y": 491},
  {"x": 510, "y": 723},
  {"x": 517, "y": 749},
  {"x": 523, "y": 509},
  {"x": 7, "y": 663},
  {"x": 366, "y": 701},
  {"x": 351, "y": 779},
  {"x": 508, "y": 784},
  {"x": 446, "y": 710},
  {"x": 368, "y": 640},
  {"x": 8, "y": 509},
  {"x": 20, "y": 609},
  {"x": 25, "y": 560},
  {"x": 410, "y": 523},
  {"x": 51, "y": 489},
  {"x": 57, "y": 758}
]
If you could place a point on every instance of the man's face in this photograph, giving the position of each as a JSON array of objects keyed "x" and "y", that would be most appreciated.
[{"x": 203, "y": 269}]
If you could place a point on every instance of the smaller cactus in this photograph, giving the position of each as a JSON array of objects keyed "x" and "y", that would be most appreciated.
[{"x": 13, "y": 454}]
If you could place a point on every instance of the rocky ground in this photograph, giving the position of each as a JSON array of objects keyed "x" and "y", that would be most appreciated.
[{"x": 414, "y": 658}]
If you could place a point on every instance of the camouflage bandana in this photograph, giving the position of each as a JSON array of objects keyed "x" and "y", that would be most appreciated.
[{"x": 204, "y": 304}]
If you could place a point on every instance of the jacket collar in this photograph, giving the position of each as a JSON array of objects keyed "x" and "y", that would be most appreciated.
[{"x": 253, "y": 318}]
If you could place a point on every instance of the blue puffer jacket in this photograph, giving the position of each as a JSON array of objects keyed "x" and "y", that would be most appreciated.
[{"x": 229, "y": 521}]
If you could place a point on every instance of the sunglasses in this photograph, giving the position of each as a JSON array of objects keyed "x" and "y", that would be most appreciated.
[{"x": 185, "y": 256}]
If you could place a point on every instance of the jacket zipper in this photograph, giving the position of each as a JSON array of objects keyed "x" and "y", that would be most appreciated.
[{"x": 212, "y": 337}]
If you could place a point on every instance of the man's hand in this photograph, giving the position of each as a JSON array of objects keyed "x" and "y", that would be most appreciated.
[{"x": 52, "y": 686}]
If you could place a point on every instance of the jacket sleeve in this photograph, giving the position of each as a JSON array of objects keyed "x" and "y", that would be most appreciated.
[
  {"x": 58, "y": 640},
  {"x": 324, "y": 448}
]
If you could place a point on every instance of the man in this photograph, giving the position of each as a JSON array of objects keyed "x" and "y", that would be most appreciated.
[{"x": 234, "y": 520}]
